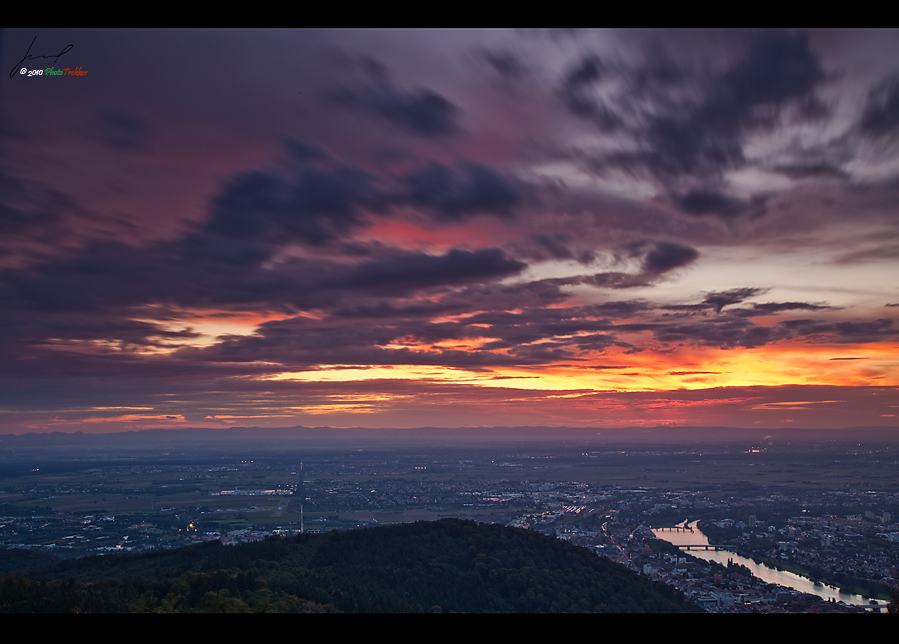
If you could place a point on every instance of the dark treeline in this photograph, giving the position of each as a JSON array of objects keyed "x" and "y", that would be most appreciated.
[{"x": 443, "y": 566}]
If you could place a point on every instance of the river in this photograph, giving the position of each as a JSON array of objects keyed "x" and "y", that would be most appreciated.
[{"x": 769, "y": 575}]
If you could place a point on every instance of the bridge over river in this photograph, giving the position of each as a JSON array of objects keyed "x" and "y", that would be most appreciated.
[{"x": 704, "y": 546}]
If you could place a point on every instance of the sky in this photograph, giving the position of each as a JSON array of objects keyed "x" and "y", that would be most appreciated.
[{"x": 448, "y": 228}]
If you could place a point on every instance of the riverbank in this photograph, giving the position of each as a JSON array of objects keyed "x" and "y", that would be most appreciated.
[
  {"x": 842, "y": 584},
  {"x": 778, "y": 576}
]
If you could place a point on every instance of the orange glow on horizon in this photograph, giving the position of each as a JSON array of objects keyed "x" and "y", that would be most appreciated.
[{"x": 683, "y": 368}]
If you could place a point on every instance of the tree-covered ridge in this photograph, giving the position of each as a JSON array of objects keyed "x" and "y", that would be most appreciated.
[{"x": 443, "y": 566}]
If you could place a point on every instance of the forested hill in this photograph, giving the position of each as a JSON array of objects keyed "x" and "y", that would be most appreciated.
[{"x": 442, "y": 566}]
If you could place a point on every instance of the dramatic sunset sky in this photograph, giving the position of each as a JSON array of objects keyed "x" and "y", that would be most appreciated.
[{"x": 449, "y": 228}]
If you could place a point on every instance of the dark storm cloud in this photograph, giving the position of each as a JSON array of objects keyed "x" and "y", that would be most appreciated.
[
  {"x": 114, "y": 332},
  {"x": 513, "y": 330},
  {"x": 21, "y": 209},
  {"x": 421, "y": 112},
  {"x": 403, "y": 274},
  {"x": 812, "y": 108},
  {"x": 303, "y": 342},
  {"x": 598, "y": 342},
  {"x": 687, "y": 137},
  {"x": 558, "y": 247},
  {"x": 701, "y": 202},
  {"x": 769, "y": 308},
  {"x": 505, "y": 297},
  {"x": 815, "y": 169},
  {"x": 204, "y": 271},
  {"x": 315, "y": 206},
  {"x": 584, "y": 329},
  {"x": 322, "y": 202},
  {"x": 317, "y": 201},
  {"x": 592, "y": 328},
  {"x": 734, "y": 331},
  {"x": 881, "y": 115},
  {"x": 540, "y": 353},
  {"x": 121, "y": 129},
  {"x": 384, "y": 310},
  {"x": 625, "y": 308},
  {"x": 221, "y": 262},
  {"x": 733, "y": 328},
  {"x": 579, "y": 96},
  {"x": 102, "y": 277},
  {"x": 666, "y": 256},
  {"x": 616, "y": 280},
  {"x": 545, "y": 246},
  {"x": 85, "y": 379},
  {"x": 39, "y": 220},
  {"x": 719, "y": 299},
  {"x": 779, "y": 67},
  {"x": 467, "y": 299},
  {"x": 510, "y": 330},
  {"x": 535, "y": 336},
  {"x": 845, "y": 331},
  {"x": 721, "y": 332},
  {"x": 659, "y": 73},
  {"x": 455, "y": 193},
  {"x": 505, "y": 63},
  {"x": 686, "y": 147},
  {"x": 657, "y": 258},
  {"x": 304, "y": 152}
]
